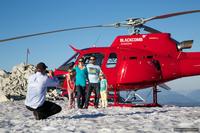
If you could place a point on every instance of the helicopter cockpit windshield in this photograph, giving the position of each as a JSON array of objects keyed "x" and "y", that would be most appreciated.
[
  {"x": 69, "y": 63},
  {"x": 99, "y": 58}
]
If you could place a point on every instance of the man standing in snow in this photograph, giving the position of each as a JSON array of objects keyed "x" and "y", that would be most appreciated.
[
  {"x": 36, "y": 93},
  {"x": 93, "y": 75}
]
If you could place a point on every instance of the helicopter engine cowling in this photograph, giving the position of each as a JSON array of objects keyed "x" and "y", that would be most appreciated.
[{"x": 159, "y": 43}]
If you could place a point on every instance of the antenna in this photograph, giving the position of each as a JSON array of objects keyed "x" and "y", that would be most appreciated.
[
  {"x": 27, "y": 53},
  {"x": 95, "y": 43}
]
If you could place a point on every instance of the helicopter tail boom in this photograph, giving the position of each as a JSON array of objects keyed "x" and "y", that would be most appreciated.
[{"x": 190, "y": 64}]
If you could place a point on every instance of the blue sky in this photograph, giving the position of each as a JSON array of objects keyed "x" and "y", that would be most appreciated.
[{"x": 19, "y": 17}]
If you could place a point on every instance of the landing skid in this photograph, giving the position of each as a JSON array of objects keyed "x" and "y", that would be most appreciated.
[
  {"x": 135, "y": 105},
  {"x": 117, "y": 99}
]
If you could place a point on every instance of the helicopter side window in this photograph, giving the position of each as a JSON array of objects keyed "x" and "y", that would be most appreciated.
[
  {"x": 99, "y": 58},
  {"x": 69, "y": 63},
  {"x": 112, "y": 60}
]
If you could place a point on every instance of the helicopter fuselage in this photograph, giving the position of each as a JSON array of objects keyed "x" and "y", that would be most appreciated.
[{"x": 135, "y": 62}]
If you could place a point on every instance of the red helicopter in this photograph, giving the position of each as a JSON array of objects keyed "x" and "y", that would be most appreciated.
[{"x": 136, "y": 61}]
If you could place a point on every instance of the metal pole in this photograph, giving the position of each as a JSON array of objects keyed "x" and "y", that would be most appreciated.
[{"x": 27, "y": 52}]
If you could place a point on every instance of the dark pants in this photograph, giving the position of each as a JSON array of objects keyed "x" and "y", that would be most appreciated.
[
  {"x": 80, "y": 96},
  {"x": 96, "y": 88},
  {"x": 46, "y": 110}
]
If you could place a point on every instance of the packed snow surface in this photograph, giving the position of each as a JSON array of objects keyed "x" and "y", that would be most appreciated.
[{"x": 14, "y": 117}]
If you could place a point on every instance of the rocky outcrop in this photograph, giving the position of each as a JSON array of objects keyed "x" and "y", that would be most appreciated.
[{"x": 14, "y": 83}]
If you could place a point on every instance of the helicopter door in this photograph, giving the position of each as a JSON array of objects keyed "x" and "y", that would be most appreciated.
[{"x": 110, "y": 69}]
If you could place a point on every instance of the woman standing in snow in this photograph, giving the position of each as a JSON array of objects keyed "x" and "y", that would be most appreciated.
[
  {"x": 81, "y": 77},
  {"x": 71, "y": 88}
]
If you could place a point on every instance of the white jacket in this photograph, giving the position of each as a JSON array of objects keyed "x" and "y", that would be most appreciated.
[{"x": 37, "y": 88}]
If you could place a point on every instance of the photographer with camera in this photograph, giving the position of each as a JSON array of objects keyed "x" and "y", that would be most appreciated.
[{"x": 36, "y": 93}]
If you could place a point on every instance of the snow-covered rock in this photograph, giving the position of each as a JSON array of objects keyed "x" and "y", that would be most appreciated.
[
  {"x": 3, "y": 98},
  {"x": 15, "y": 83}
]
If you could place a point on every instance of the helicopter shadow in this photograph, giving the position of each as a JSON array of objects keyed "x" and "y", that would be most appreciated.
[
  {"x": 88, "y": 116},
  {"x": 142, "y": 113},
  {"x": 93, "y": 116}
]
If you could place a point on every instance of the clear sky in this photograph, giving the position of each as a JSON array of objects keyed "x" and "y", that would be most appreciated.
[{"x": 19, "y": 17}]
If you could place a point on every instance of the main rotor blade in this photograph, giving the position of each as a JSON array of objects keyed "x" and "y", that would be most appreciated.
[
  {"x": 150, "y": 29},
  {"x": 55, "y": 31},
  {"x": 170, "y": 15}
]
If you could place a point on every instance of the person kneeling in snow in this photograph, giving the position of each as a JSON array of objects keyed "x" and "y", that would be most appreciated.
[{"x": 36, "y": 93}]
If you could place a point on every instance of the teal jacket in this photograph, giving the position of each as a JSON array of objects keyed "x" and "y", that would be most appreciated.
[{"x": 81, "y": 76}]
